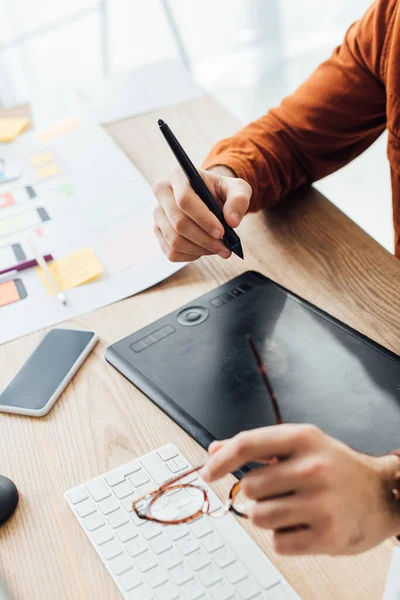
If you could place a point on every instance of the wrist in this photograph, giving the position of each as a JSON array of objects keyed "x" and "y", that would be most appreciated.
[
  {"x": 388, "y": 466},
  {"x": 223, "y": 170}
]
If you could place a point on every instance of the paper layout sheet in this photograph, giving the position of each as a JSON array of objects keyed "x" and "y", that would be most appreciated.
[{"x": 96, "y": 198}]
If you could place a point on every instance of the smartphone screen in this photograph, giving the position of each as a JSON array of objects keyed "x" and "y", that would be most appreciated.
[{"x": 46, "y": 368}]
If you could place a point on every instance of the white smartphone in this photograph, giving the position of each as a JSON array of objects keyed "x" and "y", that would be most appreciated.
[{"x": 47, "y": 372}]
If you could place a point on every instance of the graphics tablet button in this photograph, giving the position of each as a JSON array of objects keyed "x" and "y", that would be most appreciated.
[
  {"x": 217, "y": 302},
  {"x": 192, "y": 316},
  {"x": 138, "y": 346}
]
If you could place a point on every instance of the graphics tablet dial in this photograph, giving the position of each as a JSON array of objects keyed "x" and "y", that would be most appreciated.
[{"x": 194, "y": 315}]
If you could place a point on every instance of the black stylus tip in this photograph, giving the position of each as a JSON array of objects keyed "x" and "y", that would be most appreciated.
[
  {"x": 161, "y": 122},
  {"x": 238, "y": 250}
]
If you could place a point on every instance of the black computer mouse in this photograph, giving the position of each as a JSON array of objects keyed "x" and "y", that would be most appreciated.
[{"x": 8, "y": 498}]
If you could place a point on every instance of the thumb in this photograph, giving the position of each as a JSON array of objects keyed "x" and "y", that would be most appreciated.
[{"x": 238, "y": 193}]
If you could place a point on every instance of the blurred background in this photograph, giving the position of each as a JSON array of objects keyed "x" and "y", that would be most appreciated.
[{"x": 248, "y": 54}]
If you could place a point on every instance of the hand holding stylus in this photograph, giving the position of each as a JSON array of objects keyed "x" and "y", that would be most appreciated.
[{"x": 186, "y": 229}]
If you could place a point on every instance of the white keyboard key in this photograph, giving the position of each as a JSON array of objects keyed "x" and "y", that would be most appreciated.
[
  {"x": 194, "y": 491},
  {"x": 120, "y": 564},
  {"x": 98, "y": 489},
  {"x": 168, "y": 591},
  {"x": 192, "y": 478},
  {"x": 130, "y": 580},
  {"x": 181, "y": 574},
  {"x": 146, "y": 488},
  {"x": 111, "y": 549},
  {"x": 224, "y": 557},
  {"x": 139, "y": 478},
  {"x": 145, "y": 561},
  {"x": 122, "y": 490},
  {"x": 223, "y": 591},
  {"x": 157, "y": 470},
  {"x": 188, "y": 544},
  {"x": 93, "y": 521},
  {"x": 278, "y": 593},
  {"x": 235, "y": 572},
  {"x": 215, "y": 502},
  {"x": 85, "y": 508},
  {"x": 166, "y": 514},
  {"x": 181, "y": 462},
  {"x": 201, "y": 527},
  {"x": 117, "y": 518},
  {"x": 248, "y": 588},
  {"x": 172, "y": 466},
  {"x": 212, "y": 541},
  {"x": 114, "y": 477},
  {"x": 143, "y": 592},
  {"x": 189, "y": 510},
  {"x": 102, "y": 535},
  {"x": 136, "y": 546},
  {"x": 180, "y": 499},
  {"x": 209, "y": 575},
  {"x": 126, "y": 532},
  {"x": 108, "y": 505},
  {"x": 198, "y": 560},
  {"x": 77, "y": 495},
  {"x": 150, "y": 530},
  {"x": 171, "y": 558},
  {"x": 127, "y": 502},
  {"x": 156, "y": 576},
  {"x": 131, "y": 467},
  {"x": 161, "y": 543},
  {"x": 192, "y": 590},
  {"x": 176, "y": 532},
  {"x": 167, "y": 452}
]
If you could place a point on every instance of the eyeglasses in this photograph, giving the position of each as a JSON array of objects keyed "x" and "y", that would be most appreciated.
[{"x": 193, "y": 500}]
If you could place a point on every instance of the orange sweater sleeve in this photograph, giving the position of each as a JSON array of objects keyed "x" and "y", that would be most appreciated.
[{"x": 332, "y": 118}]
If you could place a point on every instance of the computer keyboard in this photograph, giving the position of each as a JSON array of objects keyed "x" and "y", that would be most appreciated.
[{"x": 209, "y": 558}]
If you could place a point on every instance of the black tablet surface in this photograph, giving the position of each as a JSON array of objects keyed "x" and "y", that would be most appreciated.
[{"x": 195, "y": 364}]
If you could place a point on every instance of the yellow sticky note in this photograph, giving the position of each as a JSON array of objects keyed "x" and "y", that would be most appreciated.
[
  {"x": 38, "y": 160},
  {"x": 57, "y": 129},
  {"x": 72, "y": 270},
  {"x": 48, "y": 171},
  {"x": 10, "y": 128}
]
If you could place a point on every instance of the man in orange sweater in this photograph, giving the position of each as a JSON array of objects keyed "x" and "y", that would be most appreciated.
[{"x": 343, "y": 499}]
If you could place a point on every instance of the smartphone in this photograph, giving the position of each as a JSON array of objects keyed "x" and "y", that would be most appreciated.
[{"x": 47, "y": 372}]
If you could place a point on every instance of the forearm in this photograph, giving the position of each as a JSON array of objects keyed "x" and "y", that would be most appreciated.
[{"x": 333, "y": 117}]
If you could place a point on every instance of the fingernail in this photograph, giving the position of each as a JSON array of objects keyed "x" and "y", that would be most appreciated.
[
  {"x": 216, "y": 234},
  {"x": 235, "y": 219},
  {"x": 224, "y": 253}
]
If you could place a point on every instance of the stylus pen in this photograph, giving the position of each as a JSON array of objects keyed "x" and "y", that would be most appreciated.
[
  {"x": 230, "y": 237},
  {"x": 46, "y": 271}
]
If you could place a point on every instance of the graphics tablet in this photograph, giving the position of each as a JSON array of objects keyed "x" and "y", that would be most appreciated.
[{"x": 195, "y": 364}]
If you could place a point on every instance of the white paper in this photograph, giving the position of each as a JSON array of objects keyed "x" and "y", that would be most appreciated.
[
  {"x": 392, "y": 589},
  {"x": 118, "y": 97},
  {"x": 109, "y": 191}
]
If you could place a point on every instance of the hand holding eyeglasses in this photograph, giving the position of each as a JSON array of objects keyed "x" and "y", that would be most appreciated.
[{"x": 338, "y": 496}]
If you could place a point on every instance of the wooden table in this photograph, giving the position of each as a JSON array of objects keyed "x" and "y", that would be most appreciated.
[{"x": 102, "y": 421}]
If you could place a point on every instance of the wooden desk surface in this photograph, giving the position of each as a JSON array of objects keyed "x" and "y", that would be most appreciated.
[{"x": 102, "y": 421}]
